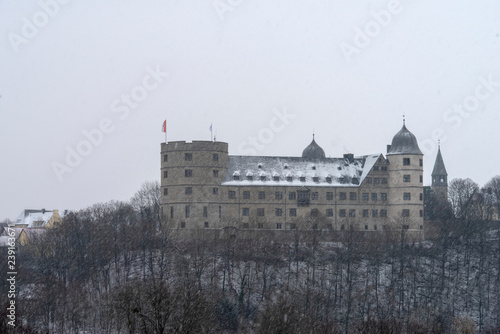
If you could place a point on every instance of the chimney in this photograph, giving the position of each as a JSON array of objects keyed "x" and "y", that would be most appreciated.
[
  {"x": 349, "y": 157},
  {"x": 388, "y": 148}
]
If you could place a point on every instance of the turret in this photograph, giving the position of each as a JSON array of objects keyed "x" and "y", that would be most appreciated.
[{"x": 440, "y": 177}]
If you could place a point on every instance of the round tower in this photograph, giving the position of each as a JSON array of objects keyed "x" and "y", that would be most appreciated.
[
  {"x": 405, "y": 180},
  {"x": 191, "y": 175}
]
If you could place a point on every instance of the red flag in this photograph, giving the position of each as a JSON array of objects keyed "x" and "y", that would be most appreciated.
[{"x": 164, "y": 127}]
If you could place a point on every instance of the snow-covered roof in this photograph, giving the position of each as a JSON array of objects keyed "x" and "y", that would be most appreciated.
[
  {"x": 35, "y": 218},
  {"x": 325, "y": 172},
  {"x": 4, "y": 241}
]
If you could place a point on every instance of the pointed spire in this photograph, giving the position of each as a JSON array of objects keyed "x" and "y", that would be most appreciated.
[
  {"x": 439, "y": 168},
  {"x": 404, "y": 121}
]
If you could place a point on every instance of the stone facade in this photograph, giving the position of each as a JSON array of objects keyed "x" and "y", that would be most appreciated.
[{"x": 204, "y": 187}]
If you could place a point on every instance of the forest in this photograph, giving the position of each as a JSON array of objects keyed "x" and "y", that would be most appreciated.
[{"x": 118, "y": 267}]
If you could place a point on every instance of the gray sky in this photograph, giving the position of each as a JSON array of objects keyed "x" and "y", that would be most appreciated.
[{"x": 265, "y": 73}]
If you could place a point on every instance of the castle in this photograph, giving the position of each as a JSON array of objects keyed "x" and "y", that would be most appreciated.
[{"x": 205, "y": 187}]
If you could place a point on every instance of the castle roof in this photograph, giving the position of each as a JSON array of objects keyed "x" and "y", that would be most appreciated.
[
  {"x": 297, "y": 171},
  {"x": 404, "y": 142},
  {"x": 313, "y": 151},
  {"x": 439, "y": 168}
]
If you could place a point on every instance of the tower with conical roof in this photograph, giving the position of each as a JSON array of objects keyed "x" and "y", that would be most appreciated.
[
  {"x": 406, "y": 180},
  {"x": 440, "y": 177}
]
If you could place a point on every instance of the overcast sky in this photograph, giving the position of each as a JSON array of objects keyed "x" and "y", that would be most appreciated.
[{"x": 86, "y": 85}]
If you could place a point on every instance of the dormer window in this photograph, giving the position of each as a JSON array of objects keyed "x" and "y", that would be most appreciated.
[
  {"x": 249, "y": 177},
  {"x": 313, "y": 167},
  {"x": 289, "y": 178},
  {"x": 262, "y": 177},
  {"x": 302, "y": 179},
  {"x": 285, "y": 166},
  {"x": 315, "y": 179},
  {"x": 260, "y": 166},
  {"x": 276, "y": 178},
  {"x": 236, "y": 177},
  {"x": 329, "y": 179}
]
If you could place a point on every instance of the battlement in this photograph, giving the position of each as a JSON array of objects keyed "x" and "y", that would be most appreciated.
[{"x": 195, "y": 145}]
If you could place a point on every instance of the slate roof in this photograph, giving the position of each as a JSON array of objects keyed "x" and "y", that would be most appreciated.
[
  {"x": 439, "y": 168},
  {"x": 404, "y": 142},
  {"x": 275, "y": 171}
]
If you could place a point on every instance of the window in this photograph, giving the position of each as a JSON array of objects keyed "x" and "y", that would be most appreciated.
[
  {"x": 205, "y": 212},
  {"x": 216, "y": 173},
  {"x": 262, "y": 195},
  {"x": 278, "y": 195},
  {"x": 171, "y": 212},
  {"x": 329, "y": 226},
  {"x": 188, "y": 190},
  {"x": 375, "y": 227},
  {"x": 236, "y": 177},
  {"x": 405, "y": 227},
  {"x": 188, "y": 156},
  {"x": 220, "y": 212},
  {"x": 406, "y": 161},
  {"x": 260, "y": 212},
  {"x": 421, "y": 178},
  {"x": 366, "y": 213},
  {"x": 292, "y": 195},
  {"x": 302, "y": 179},
  {"x": 329, "y": 196},
  {"x": 249, "y": 177},
  {"x": 421, "y": 227},
  {"x": 406, "y": 196},
  {"x": 383, "y": 213},
  {"x": 165, "y": 174},
  {"x": 246, "y": 212},
  {"x": 276, "y": 178},
  {"x": 206, "y": 224},
  {"x": 366, "y": 196},
  {"x": 374, "y": 213},
  {"x": 328, "y": 179},
  {"x": 215, "y": 157},
  {"x": 406, "y": 178},
  {"x": 293, "y": 212},
  {"x": 352, "y": 196},
  {"x": 187, "y": 211},
  {"x": 421, "y": 196},
  {"x": 375, "y": 168},
  {"x": 383, "y": 168},
  {"x": 231, "y": 194},
  {"x": 368, "y": 180},
  {"x": 383, "y": 196},
  {"x": 342, "y": 227},
  {"x": 376, "y": 180},
  {"x": 314, "y": 226},
  {"x": 278, "y": 226},
  {"x": 246, "y": 195},
  {"x": 279, "y": 212},
  {"x": 352, "y": 213},
  {"x": 245, "y": 225},
  {"x": 329, "y": 212},
  {"x": 315, "y": 179},
  {"x": 421, "y": 213},
  {"x": 188, "y": 173},
  {"x": 183, "y": 224},
  {"x": 420, "y": 162},
  {"x": 366, "y": 227},
  {"x": 260, "y": 225},
  {"x": 342, "y": 212},
  {"x": 384, "y": 180},
  {"x": 342, "y": 196},
  {"x": 262, "y": 177},
  {"x": 374, "y": 196},
  {"x": 406, "y": 213},
  {"x": 314, "y": 212},
  {"x": 292, "y": 226},
  {"x": 289, "y": 178},
  {"x": 215, "y": 191},
  {"x": 165, "y": 157},
  {"x": 314, "y": 196},
  {"x": 165, "y": 191}
]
